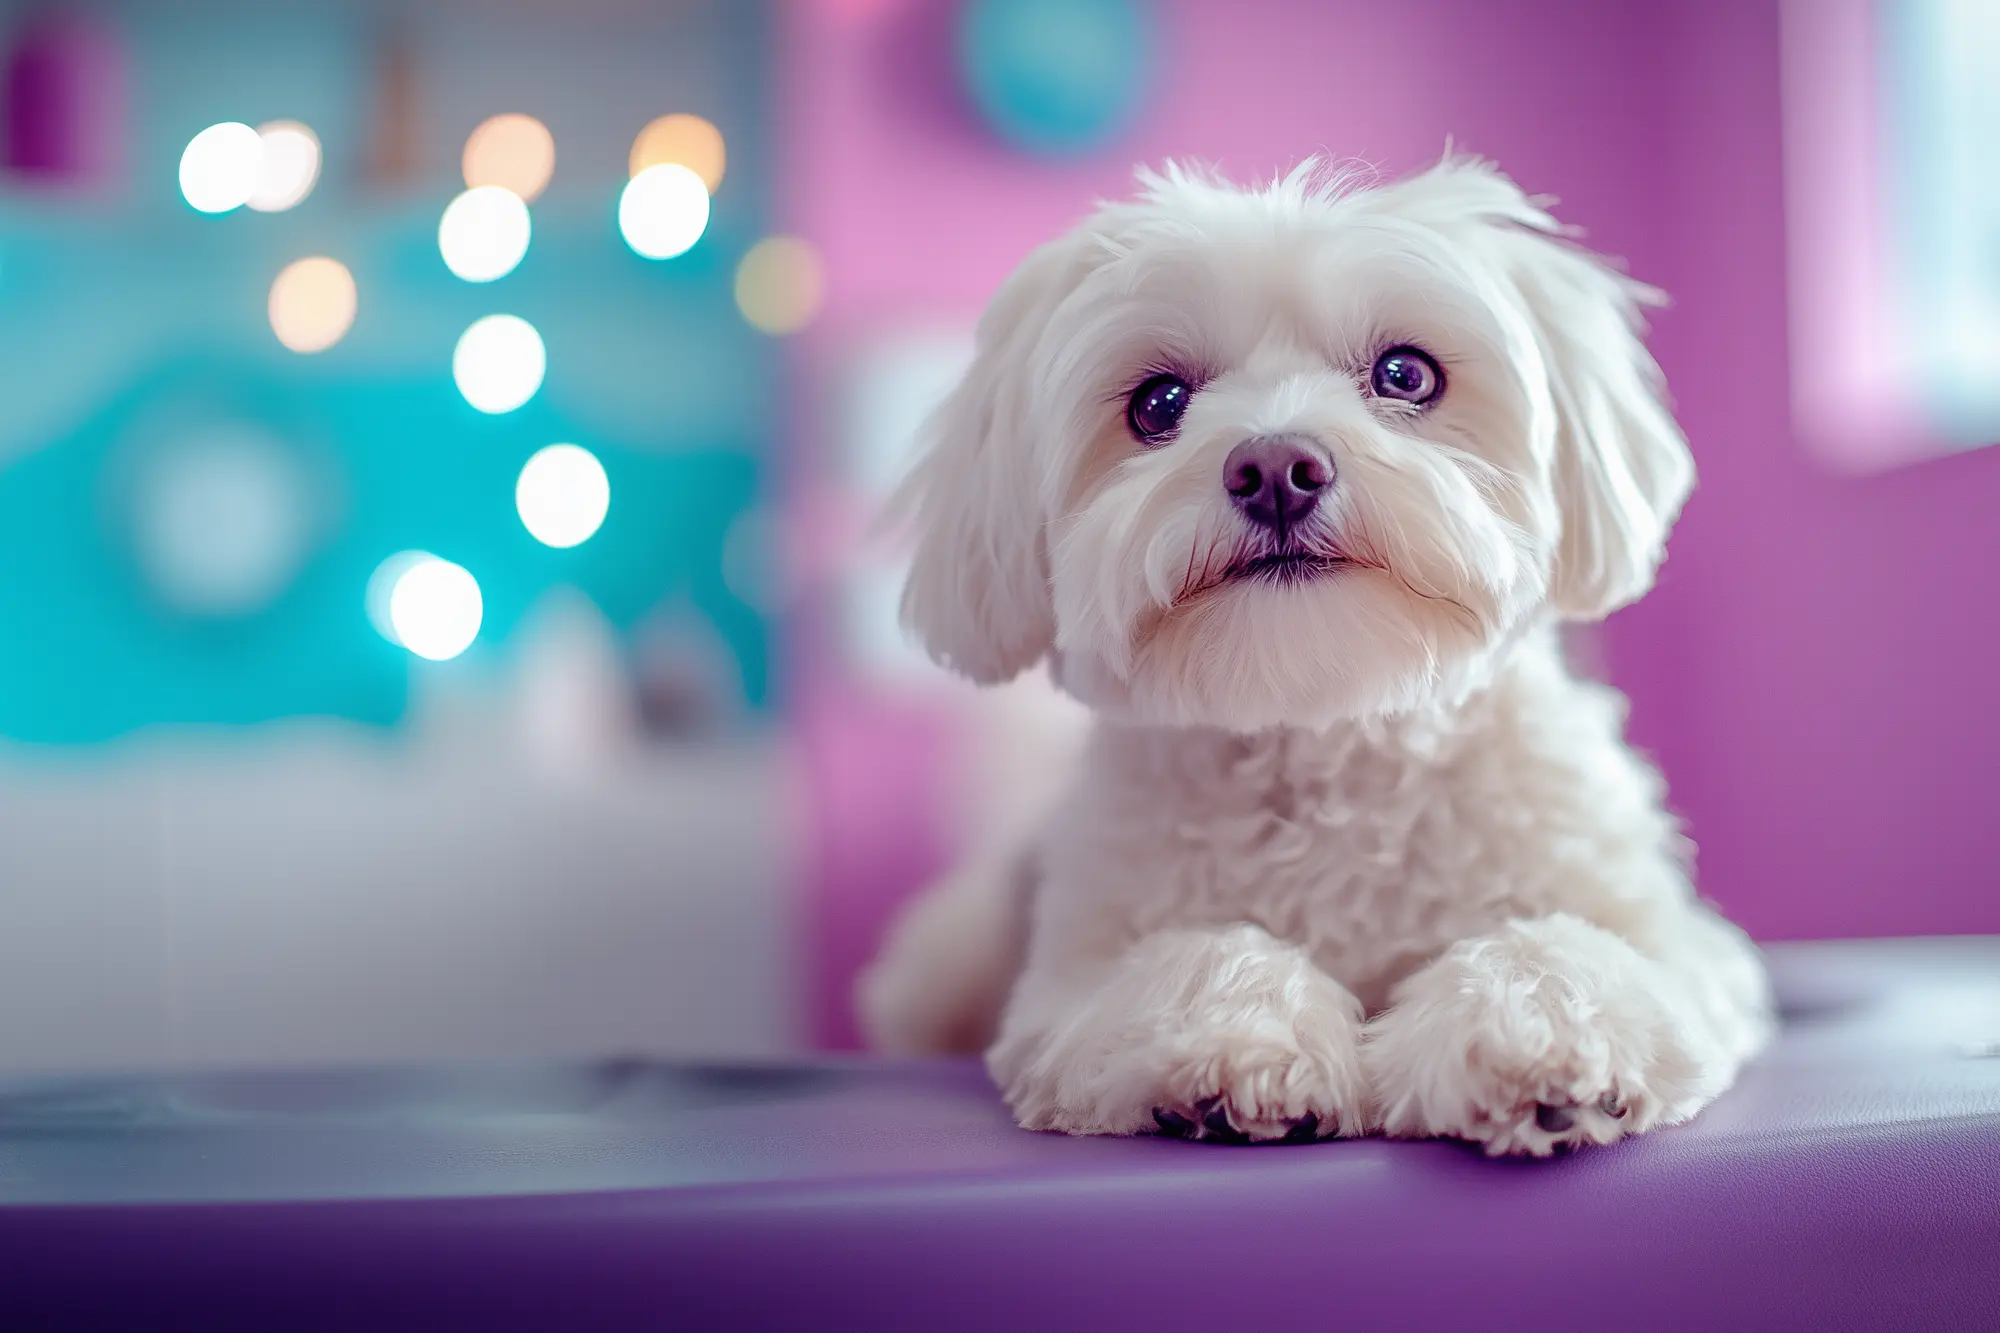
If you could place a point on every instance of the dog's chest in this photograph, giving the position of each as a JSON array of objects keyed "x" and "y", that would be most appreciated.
[{"x": 1374, "y": 856}]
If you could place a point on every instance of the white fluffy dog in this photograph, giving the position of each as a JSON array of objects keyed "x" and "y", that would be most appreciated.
[{"x": 1294, "y": 487}]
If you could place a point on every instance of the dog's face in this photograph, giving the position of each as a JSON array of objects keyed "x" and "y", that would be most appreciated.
[{"x": 1286, "y": 457}]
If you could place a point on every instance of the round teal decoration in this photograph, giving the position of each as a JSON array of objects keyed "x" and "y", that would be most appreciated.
[{"x": 1054, "y": 77}]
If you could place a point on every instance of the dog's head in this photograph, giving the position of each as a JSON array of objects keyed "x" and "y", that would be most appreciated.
[{"x": 1288, "y": 456}]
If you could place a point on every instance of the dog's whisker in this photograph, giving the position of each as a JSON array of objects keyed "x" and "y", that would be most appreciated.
[{"x": 1187, "y": 580}]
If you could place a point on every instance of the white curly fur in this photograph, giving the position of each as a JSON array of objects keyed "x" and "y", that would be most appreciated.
[{"x": 1345, "y": 853}]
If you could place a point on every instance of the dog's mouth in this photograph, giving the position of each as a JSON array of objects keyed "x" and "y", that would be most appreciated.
[{"x": 1282, "y": 567}]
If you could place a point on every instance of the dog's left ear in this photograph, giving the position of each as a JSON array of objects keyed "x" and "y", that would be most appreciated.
[{"x": 1621, "y": 468}]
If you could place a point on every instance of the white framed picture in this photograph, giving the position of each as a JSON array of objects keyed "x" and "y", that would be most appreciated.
[
  {"x": 1892, "y": 204},
  {"x": 894, "y": 381}
]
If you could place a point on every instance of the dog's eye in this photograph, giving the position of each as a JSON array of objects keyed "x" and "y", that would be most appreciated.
[
  {"x": 1156, "y": 407},
  {"x": 1407, "y": 375}
]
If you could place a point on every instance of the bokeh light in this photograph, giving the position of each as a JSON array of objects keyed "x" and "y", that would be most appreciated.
[
  {"x": 512, "y": 151},
  {"x": 780, "y": 284},
  {"x": 383, "y": 582},
  {"x": 288, "y": 166},
  {"x": 682, "y": 140},
  {"x": 484, "y": 233},
  {"x": 430, "y": 606},
  {"x": 220, "y": 166},
  {"x": 663, "y": 211},
  {"x": 499, "y": 363},
  {"x": 563, "y": 495},
  {"x": 312, "y": 304}
]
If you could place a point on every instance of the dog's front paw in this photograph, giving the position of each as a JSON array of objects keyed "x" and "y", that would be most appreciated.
[
  {"x": 1552, "y": 1034},
  {"x": 1226, "y": 1036},
  {"x": 1247, "y": 1090}
]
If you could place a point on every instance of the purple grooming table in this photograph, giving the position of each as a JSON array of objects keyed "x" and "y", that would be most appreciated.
[{"x": 1852, "y": 1181}]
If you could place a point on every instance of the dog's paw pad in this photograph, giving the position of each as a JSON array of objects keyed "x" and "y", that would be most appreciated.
[
  {"x": 1554, "y": 1119},
  {"x": 1216, "y": 1124},
  {"x": 1212, "y": 1121},
  {"x": 1556, "y": 1127},
  {"x": 1305, "y": 1131}
]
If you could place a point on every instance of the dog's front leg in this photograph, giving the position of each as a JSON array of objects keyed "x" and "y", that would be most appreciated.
[
  {"x": 1222, "y": 1032},
  {"x": 1554, "y": 1031}
]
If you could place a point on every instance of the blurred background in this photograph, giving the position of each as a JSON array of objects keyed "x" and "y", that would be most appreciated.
[{"x": 438, "y": 441}]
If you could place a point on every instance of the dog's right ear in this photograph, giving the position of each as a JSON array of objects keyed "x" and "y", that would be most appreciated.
[{"x": 978, "y": 593}]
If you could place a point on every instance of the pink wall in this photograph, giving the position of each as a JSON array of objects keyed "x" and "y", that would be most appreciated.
[
  {"x": 1809, "y": 671},
  {"x": 918, "y": 209},
  {"x": 1817, "y": 673}
]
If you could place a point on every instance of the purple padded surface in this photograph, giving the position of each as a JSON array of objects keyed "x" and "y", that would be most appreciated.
[{"x": 1852, "y": 1180}]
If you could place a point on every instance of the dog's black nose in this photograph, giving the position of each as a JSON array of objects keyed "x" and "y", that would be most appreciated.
[{"x": 1276, "y": 479}]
